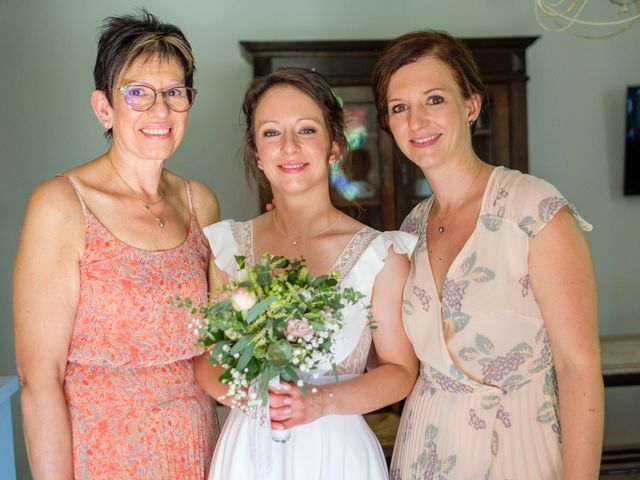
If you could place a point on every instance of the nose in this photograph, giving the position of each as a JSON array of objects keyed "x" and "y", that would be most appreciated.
[
  {"x": 417, "y": 117},
  {"x": 160, "y": 107},
  {"x": 289, "y": 142}
]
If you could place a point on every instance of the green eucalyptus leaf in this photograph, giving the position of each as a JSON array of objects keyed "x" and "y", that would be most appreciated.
[
  {"x": 241, "y": 344},
  {"x": 219, "y": 307},
  {"x": 259, "y": 307},
  {"x": 279, "y": 353},
  {"x": 217, "y": 350},
  {"x": 240, "y": 261},
  {"x": 279, "y": 262},
  {"x": 245, "y": 356}
]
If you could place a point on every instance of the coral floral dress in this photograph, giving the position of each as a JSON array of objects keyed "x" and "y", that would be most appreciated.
[
  {"x": 485, "y": 405},
  {"x": 136, "y": 409}
]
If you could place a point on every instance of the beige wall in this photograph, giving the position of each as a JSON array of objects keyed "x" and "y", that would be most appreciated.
[{"x": 576, "y": 116}]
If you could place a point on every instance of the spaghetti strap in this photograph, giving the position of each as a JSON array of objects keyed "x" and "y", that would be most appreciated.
[
  {"x": 75, "y": 189},
  {"x": 188, "y": 185}
]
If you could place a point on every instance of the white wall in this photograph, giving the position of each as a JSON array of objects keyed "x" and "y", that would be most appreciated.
[{"x": 576, "y": 101}]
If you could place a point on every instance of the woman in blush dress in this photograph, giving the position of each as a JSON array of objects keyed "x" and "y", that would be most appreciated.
[
  {"x": 500, "y": 304},
  {"x": 105, "y": 360},
  {"x": 294, "y": 130}
]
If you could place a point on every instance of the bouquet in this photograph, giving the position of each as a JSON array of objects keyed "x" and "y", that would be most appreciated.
[{"x": 274, "y": 322}]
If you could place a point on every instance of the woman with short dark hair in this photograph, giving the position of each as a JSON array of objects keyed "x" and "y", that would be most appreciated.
[{"x": 105, "y": 360}]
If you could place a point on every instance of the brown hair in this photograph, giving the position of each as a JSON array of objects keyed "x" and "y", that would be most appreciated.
[
  {"x": 413, "y": 46},
  {"x": 308, "y": 82}
]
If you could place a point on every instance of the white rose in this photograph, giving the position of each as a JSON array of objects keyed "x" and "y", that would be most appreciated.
[{"x": 242, "y": 299}]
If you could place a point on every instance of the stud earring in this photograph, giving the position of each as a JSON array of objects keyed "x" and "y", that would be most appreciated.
[{"x": 472, "y": 122}]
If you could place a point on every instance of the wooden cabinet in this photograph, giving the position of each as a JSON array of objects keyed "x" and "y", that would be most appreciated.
[{"x": 382, "y": 186}]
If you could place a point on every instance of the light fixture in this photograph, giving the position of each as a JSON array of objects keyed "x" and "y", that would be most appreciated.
[{"x": 571, "y": 16}]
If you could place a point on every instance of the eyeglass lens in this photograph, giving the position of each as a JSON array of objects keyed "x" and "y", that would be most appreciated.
[{"x": 141, "y": 97}]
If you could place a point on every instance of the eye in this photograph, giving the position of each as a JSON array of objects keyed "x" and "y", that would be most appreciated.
[
  {"x": 270, "y": 133},
  {"x": 307, "y": 131},
  {"x": 137, "y": 91},
  {"x": 434, "y": 100},
  {"x": 177, "y": 92},
  {"x": 398, "y": 108}
]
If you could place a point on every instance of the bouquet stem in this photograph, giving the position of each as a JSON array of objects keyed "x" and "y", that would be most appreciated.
[{"x": 279, "y": 435}]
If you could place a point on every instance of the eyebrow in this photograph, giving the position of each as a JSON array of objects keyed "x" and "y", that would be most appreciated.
[
  {"x": 303, "y": 119},
  {"x": 426, "y": 92},
  {"x": 178, "y": 83}
]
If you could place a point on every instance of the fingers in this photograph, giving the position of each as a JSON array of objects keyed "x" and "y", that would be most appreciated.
[
  {"x": 281, "y": 389},
  {"x": 277, "y": 425},
  {"x": 281, "y": 413}
]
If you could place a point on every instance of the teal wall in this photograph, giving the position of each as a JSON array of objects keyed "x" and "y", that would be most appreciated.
[{"x": 576, "y": 102}]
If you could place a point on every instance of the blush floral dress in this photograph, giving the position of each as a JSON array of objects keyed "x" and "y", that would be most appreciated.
[
  {"x": 135, "y": 407},
  {"x": 485, "y": 405}
]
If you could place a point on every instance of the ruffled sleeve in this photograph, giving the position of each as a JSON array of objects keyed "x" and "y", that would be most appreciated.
[
  {"x": 362, "y": 277},
  {"x": 363, "y": 274},
  {"x": 535, "y": 202},
  {"x": 223, "y": 246}
]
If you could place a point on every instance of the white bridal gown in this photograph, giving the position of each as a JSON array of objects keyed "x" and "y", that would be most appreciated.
[{"x": 334, "y": 447}]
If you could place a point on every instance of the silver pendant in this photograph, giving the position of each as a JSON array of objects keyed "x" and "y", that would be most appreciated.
[{"x": 441, "y": 229}]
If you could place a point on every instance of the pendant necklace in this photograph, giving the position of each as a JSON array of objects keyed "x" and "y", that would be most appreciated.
[
  {"x": 295, "y": 242},
  {"x": 146, "y": 205},
  {"x": 441, "y": 220}
]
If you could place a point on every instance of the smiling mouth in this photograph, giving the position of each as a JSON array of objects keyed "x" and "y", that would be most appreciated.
[
  {"x": 423, "y": 140},
  {"x": 292, "y": 166},
  {"x": 155, "y": 131}
]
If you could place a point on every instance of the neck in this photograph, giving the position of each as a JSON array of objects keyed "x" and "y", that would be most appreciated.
[
  {"x": 144, "y": 177},
  {"x": 301, "y": 218},
  {"x": 451, "y": 182}
]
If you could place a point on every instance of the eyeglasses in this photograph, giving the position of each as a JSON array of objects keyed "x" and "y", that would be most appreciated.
[{"x": 141, "y": 97}]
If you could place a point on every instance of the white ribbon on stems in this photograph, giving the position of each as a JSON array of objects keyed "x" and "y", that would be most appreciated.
[{"x": 260, "y": 434}]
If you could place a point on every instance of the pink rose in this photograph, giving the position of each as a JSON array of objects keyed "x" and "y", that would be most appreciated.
[
  {"x": 242, "y": 299},
  {"x": 298, "y": 328}
]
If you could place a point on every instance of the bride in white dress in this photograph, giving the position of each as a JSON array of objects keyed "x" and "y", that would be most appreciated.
[{"x": 294, "y": 130}]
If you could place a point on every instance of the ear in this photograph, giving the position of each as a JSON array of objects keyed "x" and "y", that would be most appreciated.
[
  {"x": 256, "y": 157},
  {"x": 334, "y": 153},
  {"x": 474, "y": 105},
  {"x": 101, "y": 108}
]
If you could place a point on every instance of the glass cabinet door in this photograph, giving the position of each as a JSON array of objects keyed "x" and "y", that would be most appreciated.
[{"x": 360, "y": 180}]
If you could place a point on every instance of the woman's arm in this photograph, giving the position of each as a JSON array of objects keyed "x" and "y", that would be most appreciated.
[
  {"x": 389, "y": 382},
  {"x": 206, "y": 206},
  {"x": 563, "y": 283},
  {"x": 46, "y": 283}
]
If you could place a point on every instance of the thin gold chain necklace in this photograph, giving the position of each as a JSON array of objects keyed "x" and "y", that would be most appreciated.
[
  {"x": 146, "y": 205},
  {"x": 441, "y": 220},
  {"x": 295, "y": 242}
]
